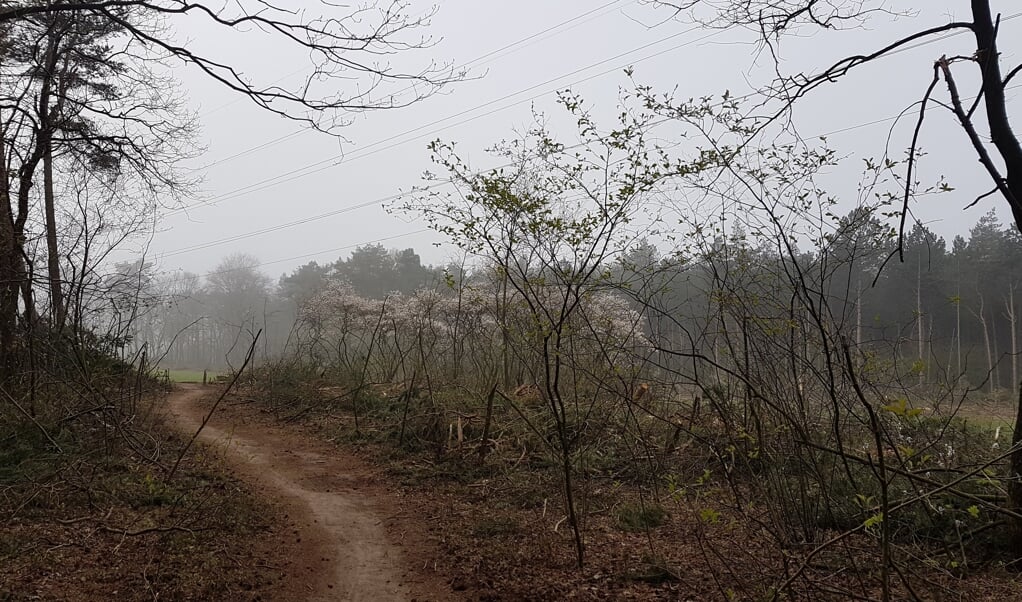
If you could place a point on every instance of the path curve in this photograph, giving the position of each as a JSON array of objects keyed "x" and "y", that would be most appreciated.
[{"x": 345, "y": 548}]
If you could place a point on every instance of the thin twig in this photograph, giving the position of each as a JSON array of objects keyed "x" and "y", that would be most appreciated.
[
  {"x": 28, "y": 415},
  {"x": 912, "y": 151}
]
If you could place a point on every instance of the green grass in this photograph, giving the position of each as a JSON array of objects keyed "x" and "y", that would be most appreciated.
[{"x": 190, "y": 376}]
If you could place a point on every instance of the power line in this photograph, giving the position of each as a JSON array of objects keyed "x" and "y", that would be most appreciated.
[
  {"x": 493, "y": 55},
  {"x": 220, "y": 241},
  {"x": 313, "y": 218},
  {"x": 536, "y": 37},
  {"x": 242, "y": 97},
  {"x": 331, "y": 250},
  {"x": 335, "y": 160},
  {"x": 381, "y": 200}
]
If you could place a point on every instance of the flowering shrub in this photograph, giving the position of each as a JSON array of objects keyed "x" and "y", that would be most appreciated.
[{"x": 448, "y": 331}]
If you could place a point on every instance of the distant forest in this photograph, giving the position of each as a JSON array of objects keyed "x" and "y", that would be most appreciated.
[{"x": 940, "y": 310}]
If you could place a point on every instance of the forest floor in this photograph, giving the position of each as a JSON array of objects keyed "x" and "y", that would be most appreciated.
[
  {"x": 350, "y": 519},
  {"x": 91, "y": 524},
  {"x": 496, "y": 531},
  {"x": 350, "y": 541}
]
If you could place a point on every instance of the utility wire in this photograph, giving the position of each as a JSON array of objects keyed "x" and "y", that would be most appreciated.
[
  {"x": 335, "y": 160},
  {"x": 314, "y": 218},
  {"x": 381, "y": 200},
  {"x": 485, "y": 59},
  {"x": 393, "y": 197},
  {"x": 490, "y": 56}
]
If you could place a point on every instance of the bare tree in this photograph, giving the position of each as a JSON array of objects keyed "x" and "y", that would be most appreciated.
[
  {"x": 235, "y": 292},
  {"x": 772, "y": 20},
  {"x": 999, "y": 153},
  {"x": 551, "y": 224},
  {"x": 343, "y": 43},
  {"x": 83, "y": 91}
]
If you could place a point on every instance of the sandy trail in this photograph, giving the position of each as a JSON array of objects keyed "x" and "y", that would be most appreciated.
[{"x": 344, "y": 553}]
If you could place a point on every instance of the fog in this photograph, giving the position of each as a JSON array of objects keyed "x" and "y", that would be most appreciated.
[{"x": 287, "y": 195}]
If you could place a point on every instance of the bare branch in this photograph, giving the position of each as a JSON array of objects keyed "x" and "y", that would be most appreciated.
[
  {"x": 912, "y": 150},
  {"x": 970, "y": 129}
]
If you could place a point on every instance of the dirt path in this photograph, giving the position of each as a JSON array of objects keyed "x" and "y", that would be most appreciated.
[{"x": 343, "y": 552}]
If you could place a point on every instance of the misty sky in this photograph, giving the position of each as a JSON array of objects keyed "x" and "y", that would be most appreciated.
[{"x": 265, "y": 172}]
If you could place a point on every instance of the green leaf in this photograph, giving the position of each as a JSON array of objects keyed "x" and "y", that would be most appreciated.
[
  {"x": 898, "y": 407},
  {"x": 874, "y": 520},
  {"x": 709, "y": 515}
]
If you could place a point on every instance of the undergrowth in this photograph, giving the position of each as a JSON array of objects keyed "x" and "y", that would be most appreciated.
[
  {"x": 644, "y": 477},
  {"x": 86, "y": 507}
]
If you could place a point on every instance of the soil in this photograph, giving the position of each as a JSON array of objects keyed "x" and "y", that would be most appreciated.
[{"x": 341, "y": 547}]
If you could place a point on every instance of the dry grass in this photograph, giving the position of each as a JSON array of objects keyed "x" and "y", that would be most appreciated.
[{"x": 102, "y": 527}]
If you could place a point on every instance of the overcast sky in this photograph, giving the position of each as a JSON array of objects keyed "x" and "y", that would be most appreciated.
[{"x": 265, "y": 173}]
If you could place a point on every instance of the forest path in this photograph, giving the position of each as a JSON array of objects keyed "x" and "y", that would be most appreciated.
[{"x": 342, "y": 551}]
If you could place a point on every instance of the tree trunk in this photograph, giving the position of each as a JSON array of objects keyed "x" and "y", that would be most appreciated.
[
  {"x": 569, "y": 498},
  {"x": 1014, "y": 341},
  {"x": 52, "y": 253},
  {"x": 986, "y": 343},
  {"x": 1015, "y": 482},
  {"x": 484, "y": 444},
  {"x": 1001, "y": 133},
  {"x": 919, "y": 320},
  {"x": 858, "y": 314},
  {"x": 958, "y": 324},
  {"x": 1014, "y": 336},
  {"x": 996, "y": 351},
  {"x": 8, "y": 255}
]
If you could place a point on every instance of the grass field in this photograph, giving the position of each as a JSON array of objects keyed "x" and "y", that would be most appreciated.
[{"x": 190, "y": 376}]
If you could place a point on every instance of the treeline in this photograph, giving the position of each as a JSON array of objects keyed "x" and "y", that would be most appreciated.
[
  {"x": 941, "y": 312},
  {"x": 94, "y": 130},
  {"x": 81, "y": 170},
  {"x": 948, "y": 309},
  {"x": 193, "y": 321}
]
